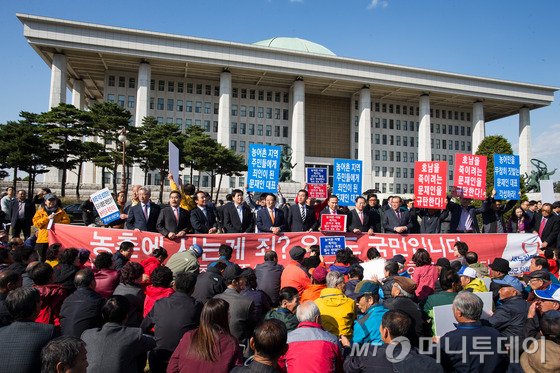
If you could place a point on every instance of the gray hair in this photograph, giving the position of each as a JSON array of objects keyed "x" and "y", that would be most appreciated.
[
  {"x": 146, "y": 190},
  {"x": 469, "y": 304},
  {"x": 404, "y": 293},
  {"x": 334, "y": 278},
  {"x": 307, "y": 311}
]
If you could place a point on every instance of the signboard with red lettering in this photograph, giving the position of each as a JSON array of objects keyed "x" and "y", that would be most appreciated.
[
  {"x": 317, "y": 190},
  {"x": 470, "y": 176},
  {"x": 430, "y": 185},
  {"x": 333, "y": 222},
  {"x": 249, "y": 248}
]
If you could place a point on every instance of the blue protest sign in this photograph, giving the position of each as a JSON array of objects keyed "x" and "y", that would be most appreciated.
[
  {"x": 317, "y": 175},
  {"x": 329, "y": 245},
  {"x": 347, "y": 183},
  {"x": 264, "y": 168},
  {"x": 506, "y": 176}
]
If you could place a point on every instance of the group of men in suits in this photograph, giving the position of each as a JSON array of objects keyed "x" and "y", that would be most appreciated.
[
  {"x": 367, "y": 216},
  {"x": 172, "y": 221},
  {"x": 18, "y": 212}
]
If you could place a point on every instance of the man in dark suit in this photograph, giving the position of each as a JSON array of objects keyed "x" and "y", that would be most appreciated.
[
  {"x": 270, "y": 219},
  {"x": 360, "y": 221},
  {"x": 21, "y": 341},
  {"x": 22, "y": 211},
  {"x": 203, "y": 218},
  {"x": 547, "y": 226},
  {"x": 374, "y": 208},
  {"x": 171, "y": 317},
  {"x": 242, "y": 316},
  {"x": 395, "y": 220},
  {"x": 301, "y": 217},
  {"x": 493, "y": 214},
  {"x": 115, "y": 347},
  {"x": 238, "y": 217},
  {"x": 463, "y": 216},
  {"x": 81, "y": 310},
  {"x": 144, "y": 215},
  {"x": 173, "y": 221},
  {"x": 332, "y": 209}
]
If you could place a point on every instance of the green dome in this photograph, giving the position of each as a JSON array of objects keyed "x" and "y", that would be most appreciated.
[{"x": 295, "y": 44}]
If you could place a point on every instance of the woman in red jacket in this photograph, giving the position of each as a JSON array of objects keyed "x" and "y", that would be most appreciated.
[
  {"x": 210, "y": 348},
  {"x": 425, "y": 274},
  {"x": 153, "y": 262},
  {"x": 161, "y": 279}
]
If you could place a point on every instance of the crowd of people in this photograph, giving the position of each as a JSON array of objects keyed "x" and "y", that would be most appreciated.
[
  {"x": 75, "y": 313},
  {"x": 63, "y": 310}
]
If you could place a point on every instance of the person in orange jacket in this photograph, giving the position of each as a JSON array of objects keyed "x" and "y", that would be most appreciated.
[
  {"x": 48, "y": 213},
  {"x": 318, "y": 283}
]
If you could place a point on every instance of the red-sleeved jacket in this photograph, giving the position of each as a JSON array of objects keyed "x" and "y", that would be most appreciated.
[
  {"x": 52, "y": 296},
  {"x": 311, "y": 349}
]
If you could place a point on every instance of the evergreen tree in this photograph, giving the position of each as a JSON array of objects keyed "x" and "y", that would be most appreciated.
[
  {"x": 66, "y": 130},
  {"x": 489, "y": 146}
]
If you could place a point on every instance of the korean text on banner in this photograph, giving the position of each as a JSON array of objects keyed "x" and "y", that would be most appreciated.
[
  {"x": 249, "y": 248},
  {"x": 173, "y": 161},
  {"x": 347, "y": 183},
  {"x": 470, "y": 176},
  {"x": 105, "y": 206},
  {"x": 317, "y": 175},
  {"x": 329, "y": 245},
  {"x": 506, "y": 176},
  {"x": 317, "y": 190},
  {"x": 317, "y": 181},
  {"x": 430, "y": 185},
  {"x": 264, "y": 168},
  {"x": 333, "y": 222}
]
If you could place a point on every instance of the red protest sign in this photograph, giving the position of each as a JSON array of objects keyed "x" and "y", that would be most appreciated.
[
  {"x": 430, "y": 185},
  {"x": 333, "y": 222},
  {"x": 470, "y": 176},
  {"x": 317, "y": 191}
]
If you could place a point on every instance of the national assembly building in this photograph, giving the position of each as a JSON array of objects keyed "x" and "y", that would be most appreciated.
[{"x": 281, "y": 91}]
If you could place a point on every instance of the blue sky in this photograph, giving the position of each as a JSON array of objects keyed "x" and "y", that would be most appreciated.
[{"x": 513, "y": 40}]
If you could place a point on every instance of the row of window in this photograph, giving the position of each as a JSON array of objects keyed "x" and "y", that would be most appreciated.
[
  {"x": 415, "y": 110},
  {"x": 396, "y": 124},
  {"x": 249, "y": 111},
  {"x": 253, "y": 94},
  {"x": 112, "y": 82},
  {"x": 243, "y": 129},
  {"x": 396, "y": 172},
  {"x": 399, "y": 188},
  {"x": 120, "y": 100}
]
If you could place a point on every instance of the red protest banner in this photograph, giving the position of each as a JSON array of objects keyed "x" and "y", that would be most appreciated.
[
  {"x": 249, "y": 248},
  {"x": 430, "y": 185},
  {"x": 317, "y": 191},
  {"x": 333, "y": 222},
  {"x": 470, "y": 176}
]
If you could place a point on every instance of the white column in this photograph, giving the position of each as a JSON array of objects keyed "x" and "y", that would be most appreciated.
[
  {"x": 78, "y": 96},
  {"x": 479, "y": 126},
  {"x": 364, "y": 136},
  {"x": 524, "y": 141},
  {"x": 142, "y": 100},
  {"x": 298, "y": 131},
  {"x": 424, "y": 136},
  {"x": 142, "y": 93},
  {"x": 58, "y": 80},
  {"x": 224, "y": 113},
  {"x": 224, "y": 117}
]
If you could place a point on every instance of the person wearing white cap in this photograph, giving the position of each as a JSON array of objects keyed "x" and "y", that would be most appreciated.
[
  {"x": 547, "y": 300},
  {"x": 470, "y": 281}
]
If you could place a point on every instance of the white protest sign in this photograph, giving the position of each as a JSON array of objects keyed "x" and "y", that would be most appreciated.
[
  {"x": 105, "y": 206},
  {"x": 174, "y": 161}
]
